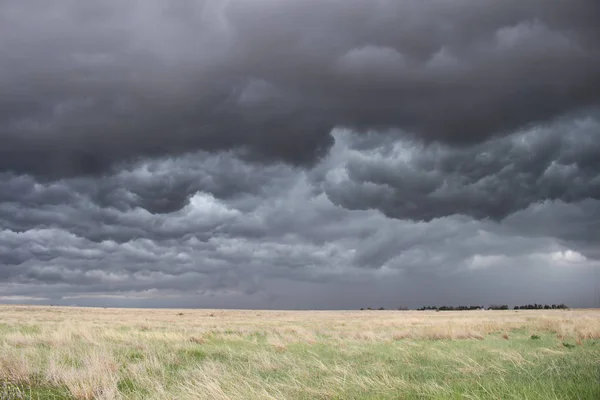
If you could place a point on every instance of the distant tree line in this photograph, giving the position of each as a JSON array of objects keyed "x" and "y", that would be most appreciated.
[
  {"x": 496, "y": 307},
  {"x": 542, "y": 307},
  {"x": 490, "y": 307},
  {"x": 450, "y": 308}
]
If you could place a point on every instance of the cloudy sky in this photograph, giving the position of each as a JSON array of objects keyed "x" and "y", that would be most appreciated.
[{"x": 299, "y": 153}]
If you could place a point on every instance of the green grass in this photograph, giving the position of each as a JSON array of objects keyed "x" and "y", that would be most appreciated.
[
  {"x": 278, "y": 359},
  {"x": 493, "y": 368},
  {"x": 412, "y": 369},
  {"x": 11, "y": 391}
]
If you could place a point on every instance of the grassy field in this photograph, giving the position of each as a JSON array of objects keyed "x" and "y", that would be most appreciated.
[{"x": 96, "y": 353}]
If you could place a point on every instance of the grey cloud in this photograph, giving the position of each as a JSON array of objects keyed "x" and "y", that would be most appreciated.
[
  {"x": 291, "y": 154},
  {"x": 131, "y": 202},
  {"x": 89, "y": 85},
  {"x": 493, "y": 179},
  {"x": 257, "y": 247},
  {"x": 578, "y": 225}
]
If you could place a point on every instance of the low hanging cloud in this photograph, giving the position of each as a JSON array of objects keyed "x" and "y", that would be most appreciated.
[
  {"x": 494, "y": 179},
  {"x": 299, "y": 154},
  {"x": 240, "y": 244}
]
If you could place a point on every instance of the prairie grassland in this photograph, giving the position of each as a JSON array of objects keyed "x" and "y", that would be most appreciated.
[{"x": 96, "y": 353}]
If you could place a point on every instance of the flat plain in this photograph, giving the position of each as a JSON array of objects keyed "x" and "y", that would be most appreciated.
[{"x": 98, "y": 353}]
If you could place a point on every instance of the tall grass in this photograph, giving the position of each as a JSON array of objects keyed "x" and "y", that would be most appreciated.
[{"x": 78, "y": 353}]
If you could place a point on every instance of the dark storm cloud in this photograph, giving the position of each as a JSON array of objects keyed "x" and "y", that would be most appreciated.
[
  {"x": 86, "y": 85},
  {"x": 576, "y": 225},
  {"x": 407, "y": 179},
  {"x": 299, "y": 153},
  {"x": 260, "y": 245},
  {"x": 127, "y": 204}
]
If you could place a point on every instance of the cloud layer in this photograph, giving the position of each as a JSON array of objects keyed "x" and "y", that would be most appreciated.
[
  {"x": 299, "y": 154},
  {"x": 87, "y": 85}
]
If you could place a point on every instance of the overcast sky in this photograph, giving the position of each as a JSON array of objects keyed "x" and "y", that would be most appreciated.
[{"x": 299, "y": 153}]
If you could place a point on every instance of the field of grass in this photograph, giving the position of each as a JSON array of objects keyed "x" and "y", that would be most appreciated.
[{"x": 96, "y": 353}]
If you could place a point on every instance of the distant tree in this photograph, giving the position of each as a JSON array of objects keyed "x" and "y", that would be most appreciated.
[
  {"x": 537, "y": 306},
  {"x": 498, "y": 307}
]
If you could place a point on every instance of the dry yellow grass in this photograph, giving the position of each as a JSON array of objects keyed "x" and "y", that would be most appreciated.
[
  {"x": 97, "y": 353},
  {"x": 366, "y": 325}
]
